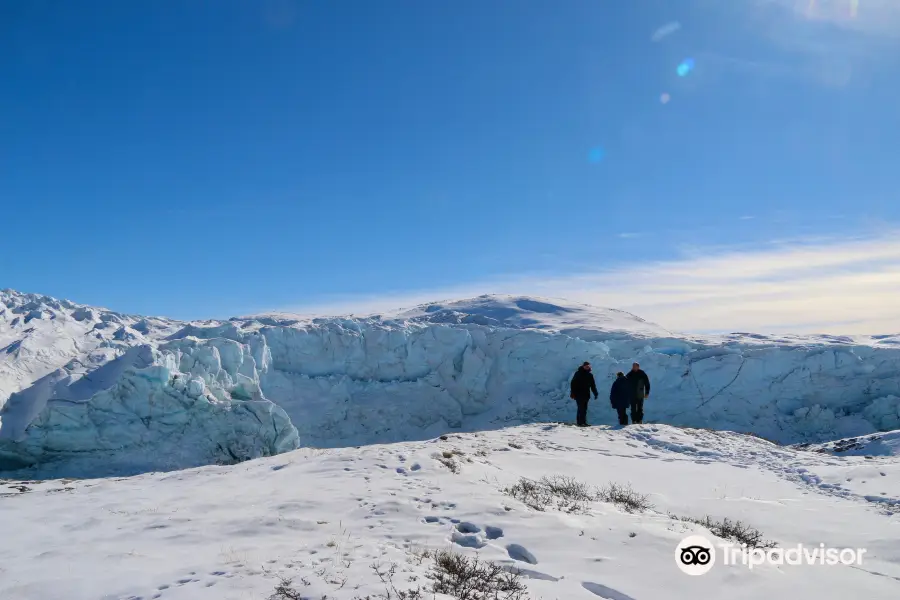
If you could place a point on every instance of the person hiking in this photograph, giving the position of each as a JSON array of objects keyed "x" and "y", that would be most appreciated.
[
  {"x": 582, "y": 386},
  {"x": 620, "y": 396},
  {"x": 640, "y": 386}
]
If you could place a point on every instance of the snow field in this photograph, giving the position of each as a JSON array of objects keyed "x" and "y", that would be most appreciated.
[{"x": 325, "y": 516}]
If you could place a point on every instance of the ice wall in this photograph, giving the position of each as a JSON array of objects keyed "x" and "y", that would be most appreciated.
[
  {"x": 352, "y": 382},
  {"x": 189, "y": 404},
  {"x": 155, "y": 393}
]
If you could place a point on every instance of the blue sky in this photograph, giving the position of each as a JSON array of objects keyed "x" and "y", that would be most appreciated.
[{"x": 204, "y": 159}]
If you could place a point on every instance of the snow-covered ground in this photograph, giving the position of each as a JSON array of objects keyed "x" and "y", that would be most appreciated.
[
  {"x": 324, "y": 516},
  {"x": 84, "y": 389}
]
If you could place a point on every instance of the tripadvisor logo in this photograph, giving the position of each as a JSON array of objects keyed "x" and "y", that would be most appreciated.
[{"x": 695, "y": 555}]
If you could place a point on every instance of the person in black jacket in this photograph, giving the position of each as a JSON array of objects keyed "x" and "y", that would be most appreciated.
[
  {"x": 620, "y": 396},
  {"x": 640, "y": 390},
  {"x": 582, "y": 386}
]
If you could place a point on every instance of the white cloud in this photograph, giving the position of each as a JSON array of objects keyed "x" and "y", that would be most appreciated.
[{"x": 846, "y": 286}]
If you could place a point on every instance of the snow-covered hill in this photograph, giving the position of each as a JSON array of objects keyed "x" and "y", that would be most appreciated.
[
  {"x": 325, "y": 517},
  {"x": 83, "y": 387}
]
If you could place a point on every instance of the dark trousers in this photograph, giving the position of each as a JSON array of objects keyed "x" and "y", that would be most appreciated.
[
  {"x": 637, "y": 410},
  {"x": 581, "y": 417},
  {"x": 623, "y": 415}
]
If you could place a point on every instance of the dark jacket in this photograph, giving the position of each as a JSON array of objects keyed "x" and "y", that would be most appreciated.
[
  {"x": 621, "y": 393},
  {"x": 640, "y": 383},
  {"x": 583, "y": 384}
]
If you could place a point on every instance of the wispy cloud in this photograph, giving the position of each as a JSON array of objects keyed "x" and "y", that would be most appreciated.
[
  {"x": 665, "y": 31},
  {"x": 629, "y": 235},
  {"x": 838, "y": 36},
  {"x": 846, "y": 285},
  {"x": 869, "y": 16},
  {"x": 832, "y": 43}
]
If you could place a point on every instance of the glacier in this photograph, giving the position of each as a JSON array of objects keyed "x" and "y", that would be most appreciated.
[{"x": 134, "y": 393}]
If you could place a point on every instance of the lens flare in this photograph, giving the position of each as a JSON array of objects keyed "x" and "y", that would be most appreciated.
[
  {"x": 686, "y": 66},
  {"x": 665, "y": 98},
  {"x": 596, "y": 154}
]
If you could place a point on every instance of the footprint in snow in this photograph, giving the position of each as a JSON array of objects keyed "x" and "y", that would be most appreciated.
[
  {"x": 467, "y": 540},
  {"x": 466, "y": 527},
  {"x": 520, "y": 553},
  {"x": 493, "y": 533},
  {"x": 605, "y": 592},
  {"x": 528, "y": 573}
]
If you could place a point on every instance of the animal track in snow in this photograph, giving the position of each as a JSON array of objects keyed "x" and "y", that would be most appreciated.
[{"x": 190, "y": 579}]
